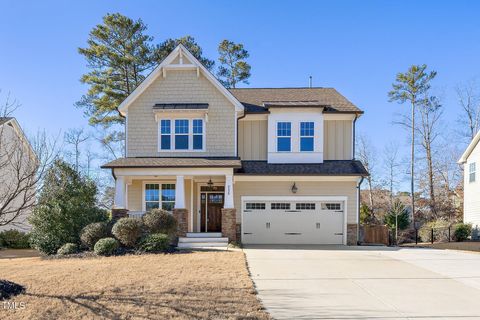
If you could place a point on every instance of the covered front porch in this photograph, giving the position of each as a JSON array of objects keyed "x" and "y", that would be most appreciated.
[{"x": 202, "y": 199}]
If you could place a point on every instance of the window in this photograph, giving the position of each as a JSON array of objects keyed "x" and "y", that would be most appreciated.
[
  {"x": 284, "y": 132},
  {"x": 471, "y": 172},
  {"x": 255, "y": 206},
  {"x": 181, "y": 134},
  {"x": 280, "y": 206},
  {"x": 159, "y": 196},
  {"x": 165, "y": 134},
  {"x": 332, "y": 206},
  {"x": 305, "y": 206},
  {"x": 306, "y": 136},
  {"x": 197, "y": 134}
]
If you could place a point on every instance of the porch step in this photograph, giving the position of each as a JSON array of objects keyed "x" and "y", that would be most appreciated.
[
  {"x": 204, "y": 234},
  {"x": 202, "y": 239},
  {"x": 199, "y": 245}
]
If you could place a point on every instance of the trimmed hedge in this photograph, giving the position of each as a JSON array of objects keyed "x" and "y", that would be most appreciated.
[
  {"x": 160, "y": 221},
  {"x": 128, "y": 231},
  {"x": 68, "y": 248},
  {"x": 157, "y": 242},
  {"x": 14, "y": 239},
  {"x": 106, "y": 246},
  {"x": 93, "y": 232}
]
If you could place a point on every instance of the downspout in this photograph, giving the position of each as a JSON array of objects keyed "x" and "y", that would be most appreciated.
[
  {"x": 358, "y": 209},
  {"x": 238, "y": 119},
  {"x": 354, "y": 135}
]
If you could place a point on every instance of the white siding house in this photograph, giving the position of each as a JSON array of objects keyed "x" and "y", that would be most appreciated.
[{"x": 471, "y": 161}]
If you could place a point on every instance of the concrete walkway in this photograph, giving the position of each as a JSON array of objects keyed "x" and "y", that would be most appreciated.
[{"x": 330, "y": 282}]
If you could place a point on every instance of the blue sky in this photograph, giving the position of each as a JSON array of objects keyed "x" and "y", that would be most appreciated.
[{"x": 355, "y": 46}]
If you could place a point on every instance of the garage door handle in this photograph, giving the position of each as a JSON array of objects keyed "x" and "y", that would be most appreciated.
[
  {"x": 247, "y": 233},
  {"x": 292, "y": 210},
  {"x": 293, "y": 233},
  {"x": 338, "y": 234}
]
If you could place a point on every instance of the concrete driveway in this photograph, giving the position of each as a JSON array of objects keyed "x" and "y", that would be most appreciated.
[{"x": 336, "y": 282}]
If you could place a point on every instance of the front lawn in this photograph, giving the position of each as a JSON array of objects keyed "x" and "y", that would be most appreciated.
[
  {"x": 199, "y": 285},
  {"x": 464, "y": 245}
]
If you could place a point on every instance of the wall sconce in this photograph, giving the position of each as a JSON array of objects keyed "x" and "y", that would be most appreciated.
[{"x": 294, "y": 188}]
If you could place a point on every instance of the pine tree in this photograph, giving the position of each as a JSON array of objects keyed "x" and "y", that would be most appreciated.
[{"x": 233, "y": 67}]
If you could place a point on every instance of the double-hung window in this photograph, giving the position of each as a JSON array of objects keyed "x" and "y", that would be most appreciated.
[
  {"x": 284, "y": 136},
  {"x": 197, "y": 134},
  {"x": 165, "y": 135},
  {"x": 306, "y": 136},
  {"x": 181, "y": 134},
  {"x": 159, "y": 195},
  {"x": 471, "y": 172}
]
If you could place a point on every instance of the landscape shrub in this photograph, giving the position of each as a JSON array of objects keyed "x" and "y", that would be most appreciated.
[
  {"x": 14, "y": 239},
  {"x": 68, "y": 248},
  {"x": 92, "y": 233},
  {"x": 128, "y": 231},
  {"x": 106, "y": 246},
  {"x": 160, "y": 221},
  {"x": 440, "y": 231},
  {"x": 66, "y": 204},
  {"x": 157, "y": 242},
  {"x": 462, "y": 232}
]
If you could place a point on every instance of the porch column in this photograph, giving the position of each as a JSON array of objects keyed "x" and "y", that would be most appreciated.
[
  {"x": 180, "y": 193},
  {"x": 228, "y": 202},
  {"x": 119, "y": 200}
]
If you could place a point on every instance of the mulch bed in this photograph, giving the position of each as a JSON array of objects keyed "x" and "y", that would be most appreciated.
[{"x": 9, "y": 289}]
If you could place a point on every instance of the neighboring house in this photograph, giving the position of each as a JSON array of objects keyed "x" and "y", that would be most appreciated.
[
  {"x": 259, "y": 165},
  {"x": 471, "y": 189},
  {"x": 17, "y": 176}
]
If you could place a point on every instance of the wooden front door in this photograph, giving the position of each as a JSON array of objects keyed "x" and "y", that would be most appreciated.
[{"x": 211, "y": 212}]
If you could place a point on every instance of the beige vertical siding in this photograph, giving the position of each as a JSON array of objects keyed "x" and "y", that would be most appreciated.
[
  {"x": 252, "y": 139},
  {"x": 306, "y": 188},
  {"x": 181, "y": 87},
  {"x": 338, "y": 140}
]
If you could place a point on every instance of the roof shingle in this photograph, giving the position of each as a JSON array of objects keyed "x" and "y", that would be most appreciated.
[{"x": 173, "y": 163}]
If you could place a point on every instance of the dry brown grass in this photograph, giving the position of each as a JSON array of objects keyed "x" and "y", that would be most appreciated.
[{"x": 199, "y": 285}]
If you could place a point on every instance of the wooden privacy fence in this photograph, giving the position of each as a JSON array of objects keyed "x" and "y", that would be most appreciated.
[{"x": 375, "y": 234}]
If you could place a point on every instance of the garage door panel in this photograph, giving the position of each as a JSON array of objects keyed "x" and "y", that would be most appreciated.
[{"x": 277, "y": 222}]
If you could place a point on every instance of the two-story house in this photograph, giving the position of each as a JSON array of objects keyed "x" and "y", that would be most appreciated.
[
  {"x": 258, "y": 165},
  {"x": 471, "y": 185}
]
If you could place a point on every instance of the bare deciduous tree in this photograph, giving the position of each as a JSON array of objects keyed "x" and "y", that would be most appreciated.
[
  {"x": 391, "y": 165},
  {"x": 469, "y": 101},
  {"x": 366, "y": 155},
  {"x": 23, "y": 165},
  {"x": 75, "y": 138}
]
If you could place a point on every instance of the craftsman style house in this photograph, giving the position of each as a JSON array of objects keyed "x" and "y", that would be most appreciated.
[{"x": 258, "y": 165}]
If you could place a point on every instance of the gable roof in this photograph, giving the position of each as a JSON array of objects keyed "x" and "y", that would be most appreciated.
[
  {"x": 168, "y": 62},
  {"x": 19, "y": 131},
  {"x": 469, "y": 149},
  {"x": 258, "y": 100}
]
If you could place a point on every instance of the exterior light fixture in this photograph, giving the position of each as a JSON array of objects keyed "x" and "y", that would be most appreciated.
[
  {"x": 210, "y": 184},
  {"x": 294, "y": 188}
]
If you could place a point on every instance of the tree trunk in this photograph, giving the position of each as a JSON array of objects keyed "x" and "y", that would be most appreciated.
[
  {"x": 412, "y": 166},
  {"x": 430, "y": 180}
]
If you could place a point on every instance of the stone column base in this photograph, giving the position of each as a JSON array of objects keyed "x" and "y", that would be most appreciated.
[
  {"x": 119, "y": 213},
  {"x": 352, "y": 234},
  {"x": 181, "y": 215},
  {"x": 229, "y": 224}
]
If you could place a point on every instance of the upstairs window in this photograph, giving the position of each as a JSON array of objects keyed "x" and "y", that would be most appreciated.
[
  {"x": 165, "y": 135},
  {"x": 306, "y": 136},
  {"x": 284, "y": 136},
  {"x": 197, "y": 134},
  {"x": 181, "y": 134},
  {"x": 471, "y": 172}
]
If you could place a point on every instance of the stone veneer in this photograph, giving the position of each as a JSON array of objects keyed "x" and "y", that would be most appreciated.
[
  {"x": 352, "y": 235},
  {"x": 182, "y": 221},
  {"x": 119, "y": 213},
  {"x": 229, "y": 224}
]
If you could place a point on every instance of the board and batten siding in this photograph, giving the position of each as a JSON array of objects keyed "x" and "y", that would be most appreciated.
[
  {"x": 338, "y": 140},
  {"x": 305, "y": 188},
  {"x": 181, "y": 87},
  {"x": 471, "y": 204},
  {"x": 252, "y": 139}
]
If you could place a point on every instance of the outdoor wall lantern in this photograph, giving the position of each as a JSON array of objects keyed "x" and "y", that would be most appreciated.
[{"x": 294, "y": 188}]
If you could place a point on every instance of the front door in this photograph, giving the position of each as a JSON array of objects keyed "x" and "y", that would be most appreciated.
[{"x": 211, "y": 212}]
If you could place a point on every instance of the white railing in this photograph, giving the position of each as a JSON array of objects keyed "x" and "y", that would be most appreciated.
[{"x": 136, "y": 214}]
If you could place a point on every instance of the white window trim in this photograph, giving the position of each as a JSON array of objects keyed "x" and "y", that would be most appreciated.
[
  {"x": 144, "y": 185},
  {"x": 300, "y": 136},
  {"x": 190, "y": 134},
  {"x": 277, "y": 136},
  {"x": 470, "y": 172}
]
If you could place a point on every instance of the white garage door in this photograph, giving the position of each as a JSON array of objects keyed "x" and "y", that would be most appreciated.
[{"x": 303, "y": 221}]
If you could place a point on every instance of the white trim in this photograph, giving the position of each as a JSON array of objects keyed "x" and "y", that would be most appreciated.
[
  {"x": 296, "y": 178},
  {"x": 190, "y": 134},
  {"x": 161, "y": 70},
  {"x": 199, "y": 201},
  {"x": 190, "y": 227},
  {"x": 135, "y": 172},
  {"x": 340, "y": 116},
  {"x": 159, "y": 182},
  {"x": 243, "y": 199},
  {"x": 469, "y": 149}
]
